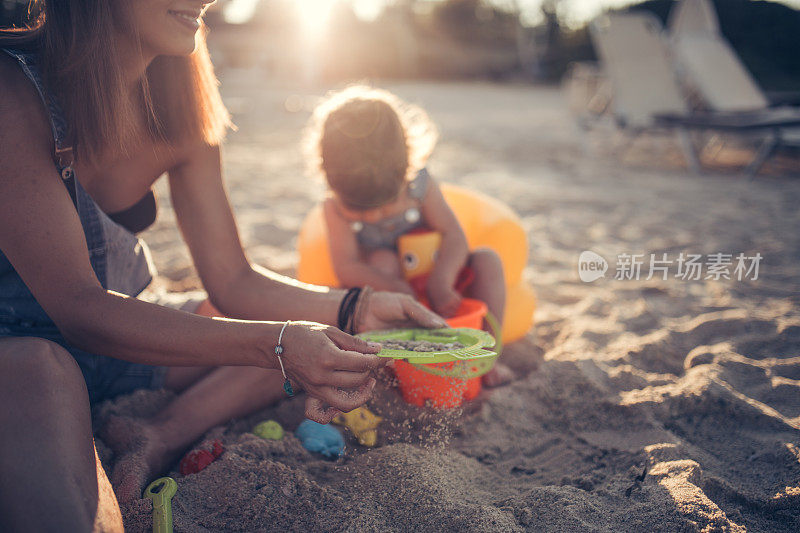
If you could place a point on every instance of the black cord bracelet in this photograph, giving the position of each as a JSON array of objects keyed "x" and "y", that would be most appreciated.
[
  {"x": 349, "y": 311},
  {"x": 347, "y": 308}
]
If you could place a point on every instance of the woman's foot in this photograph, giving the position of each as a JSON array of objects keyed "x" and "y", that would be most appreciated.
[
  {"x": 140, "y": 454},
  {"x": 497, "y": 376}
]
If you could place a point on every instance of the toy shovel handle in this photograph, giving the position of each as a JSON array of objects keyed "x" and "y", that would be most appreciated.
[
  {"x": 162, "y": 519},
  {"x": 161, "y": 492}
]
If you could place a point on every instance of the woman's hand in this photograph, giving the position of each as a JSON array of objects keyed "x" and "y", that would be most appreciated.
[
  {"x": 392, "y": 310},
  {"x": 333, "y": 367},
  {"x": 403, "y": 287}
]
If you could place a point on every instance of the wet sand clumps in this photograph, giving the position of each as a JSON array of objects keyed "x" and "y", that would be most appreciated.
[{"x": 422, "y": 346}]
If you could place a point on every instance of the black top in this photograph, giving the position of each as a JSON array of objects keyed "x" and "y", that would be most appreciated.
[{"x": 139, "y": 216}]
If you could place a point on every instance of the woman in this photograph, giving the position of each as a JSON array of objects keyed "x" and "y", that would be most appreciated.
[{"x": 98, "y": 99}]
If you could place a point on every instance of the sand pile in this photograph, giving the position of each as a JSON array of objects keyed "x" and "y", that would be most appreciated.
[{"x": 642, "y": 405}]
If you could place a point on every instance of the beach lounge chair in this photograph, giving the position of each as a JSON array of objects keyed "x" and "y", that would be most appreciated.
[
  {"x": 707, "y": 61},
  {"x": 692, "y": 17},
  {"x": 647, "y": 95}
]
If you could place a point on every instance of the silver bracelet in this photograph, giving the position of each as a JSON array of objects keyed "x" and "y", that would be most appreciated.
[{"x": 287, "y": 385}]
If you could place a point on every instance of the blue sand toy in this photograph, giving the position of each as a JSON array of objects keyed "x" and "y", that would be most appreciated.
[{"x": 320, "y": 438}]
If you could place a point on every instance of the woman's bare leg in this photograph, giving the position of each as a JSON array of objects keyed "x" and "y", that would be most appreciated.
[
  {"x": 225, "y": 393},
  {"x": 50, "y": 477},
  {"x": 180, "y": 378},
  {"x": 490, "y": 287},
  {"x": 146, "y": 447},
  {"x": 208, "y": 396}
]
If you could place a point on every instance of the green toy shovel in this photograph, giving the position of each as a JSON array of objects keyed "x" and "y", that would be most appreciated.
[{"x": 161, "y": 492}]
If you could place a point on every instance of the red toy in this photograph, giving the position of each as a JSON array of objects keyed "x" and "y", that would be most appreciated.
[{"x": 198, "y": 459}]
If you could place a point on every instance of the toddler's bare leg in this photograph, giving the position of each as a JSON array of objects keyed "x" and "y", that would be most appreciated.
[{"x": 490, "y": 287}]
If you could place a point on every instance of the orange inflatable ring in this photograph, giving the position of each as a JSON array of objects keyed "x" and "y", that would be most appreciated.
[{"x": 487, "y": 222}]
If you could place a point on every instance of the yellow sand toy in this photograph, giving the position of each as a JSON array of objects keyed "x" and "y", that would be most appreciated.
[
  {"x": 487, "y": 222},
  {"x": 362, "y": 423},
  {"x": 268, "y": 430}
]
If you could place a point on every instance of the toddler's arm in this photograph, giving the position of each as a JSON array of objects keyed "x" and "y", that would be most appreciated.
[
  {"x": 348, "y": 265},
  {"x": 453, "y": 252}
]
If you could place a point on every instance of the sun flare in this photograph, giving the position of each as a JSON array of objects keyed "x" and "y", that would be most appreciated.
[{"x": 313, "y": 15}]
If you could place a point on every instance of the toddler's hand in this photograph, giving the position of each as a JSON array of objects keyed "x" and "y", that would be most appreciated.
[{"x": 444, "y": 300}]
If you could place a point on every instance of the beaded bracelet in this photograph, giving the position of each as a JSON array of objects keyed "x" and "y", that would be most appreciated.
[{"x": 287, "y": 385}]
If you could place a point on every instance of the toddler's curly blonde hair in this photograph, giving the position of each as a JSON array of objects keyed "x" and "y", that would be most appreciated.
[{"x": 367, "y": 143}]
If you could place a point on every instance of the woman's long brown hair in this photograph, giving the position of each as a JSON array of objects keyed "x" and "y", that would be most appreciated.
[{"x": 77, "y": 44}]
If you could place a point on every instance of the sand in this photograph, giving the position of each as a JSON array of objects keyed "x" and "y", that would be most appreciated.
[{"x": 644, "y": 405}]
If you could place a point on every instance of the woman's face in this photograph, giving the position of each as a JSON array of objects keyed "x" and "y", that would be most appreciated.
[{"x": 167, "y": 27}]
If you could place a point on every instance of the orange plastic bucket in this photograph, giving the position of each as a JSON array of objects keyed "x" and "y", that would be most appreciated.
[{"x": 418, "y": 386}]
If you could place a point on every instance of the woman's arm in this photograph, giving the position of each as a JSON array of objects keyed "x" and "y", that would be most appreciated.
[
  {"x": 234, "y": 286},
  {"x": 41, "y": 235},
  {"x": 347, "y": 263},
  {"x": 244, "y": 291},
  {"x": 453, "y": 252}
]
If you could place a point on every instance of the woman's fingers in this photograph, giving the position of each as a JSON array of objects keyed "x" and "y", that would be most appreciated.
[
  {"x": 351, "y": 343},
  {"x": 317, "y": 411},
  {"x": 319, "y": 357},
  {"x": 355, "y": 362},
  {"x": 353, "y": 354},
  {"x": 421, "y": 315},
  {"x": 348, "y": 380},
  {"x": 345, "y": 399},
  {"x": 393, "y": 310},
  {"x": 327, "y": 402}
]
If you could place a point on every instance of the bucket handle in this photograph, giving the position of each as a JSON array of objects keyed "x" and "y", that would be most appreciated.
[
  {"x": 497, "y": 348},
  {"x": 498, "y": 333}
]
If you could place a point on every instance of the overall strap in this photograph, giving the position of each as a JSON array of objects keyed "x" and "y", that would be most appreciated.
[
  {"x": 419, "y": 185},
  {"x": 63, "y": 155}
]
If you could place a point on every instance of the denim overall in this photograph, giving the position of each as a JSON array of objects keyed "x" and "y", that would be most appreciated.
[
  {"x": 120, "y": 260},
  {"x": 384, "y": 233}
]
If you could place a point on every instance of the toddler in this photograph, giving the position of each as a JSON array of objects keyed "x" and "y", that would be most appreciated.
[{"x": 371, "y": 148}]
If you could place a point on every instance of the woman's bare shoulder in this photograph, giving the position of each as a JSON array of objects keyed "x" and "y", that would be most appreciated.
[{"x": 24, "y": 116}]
